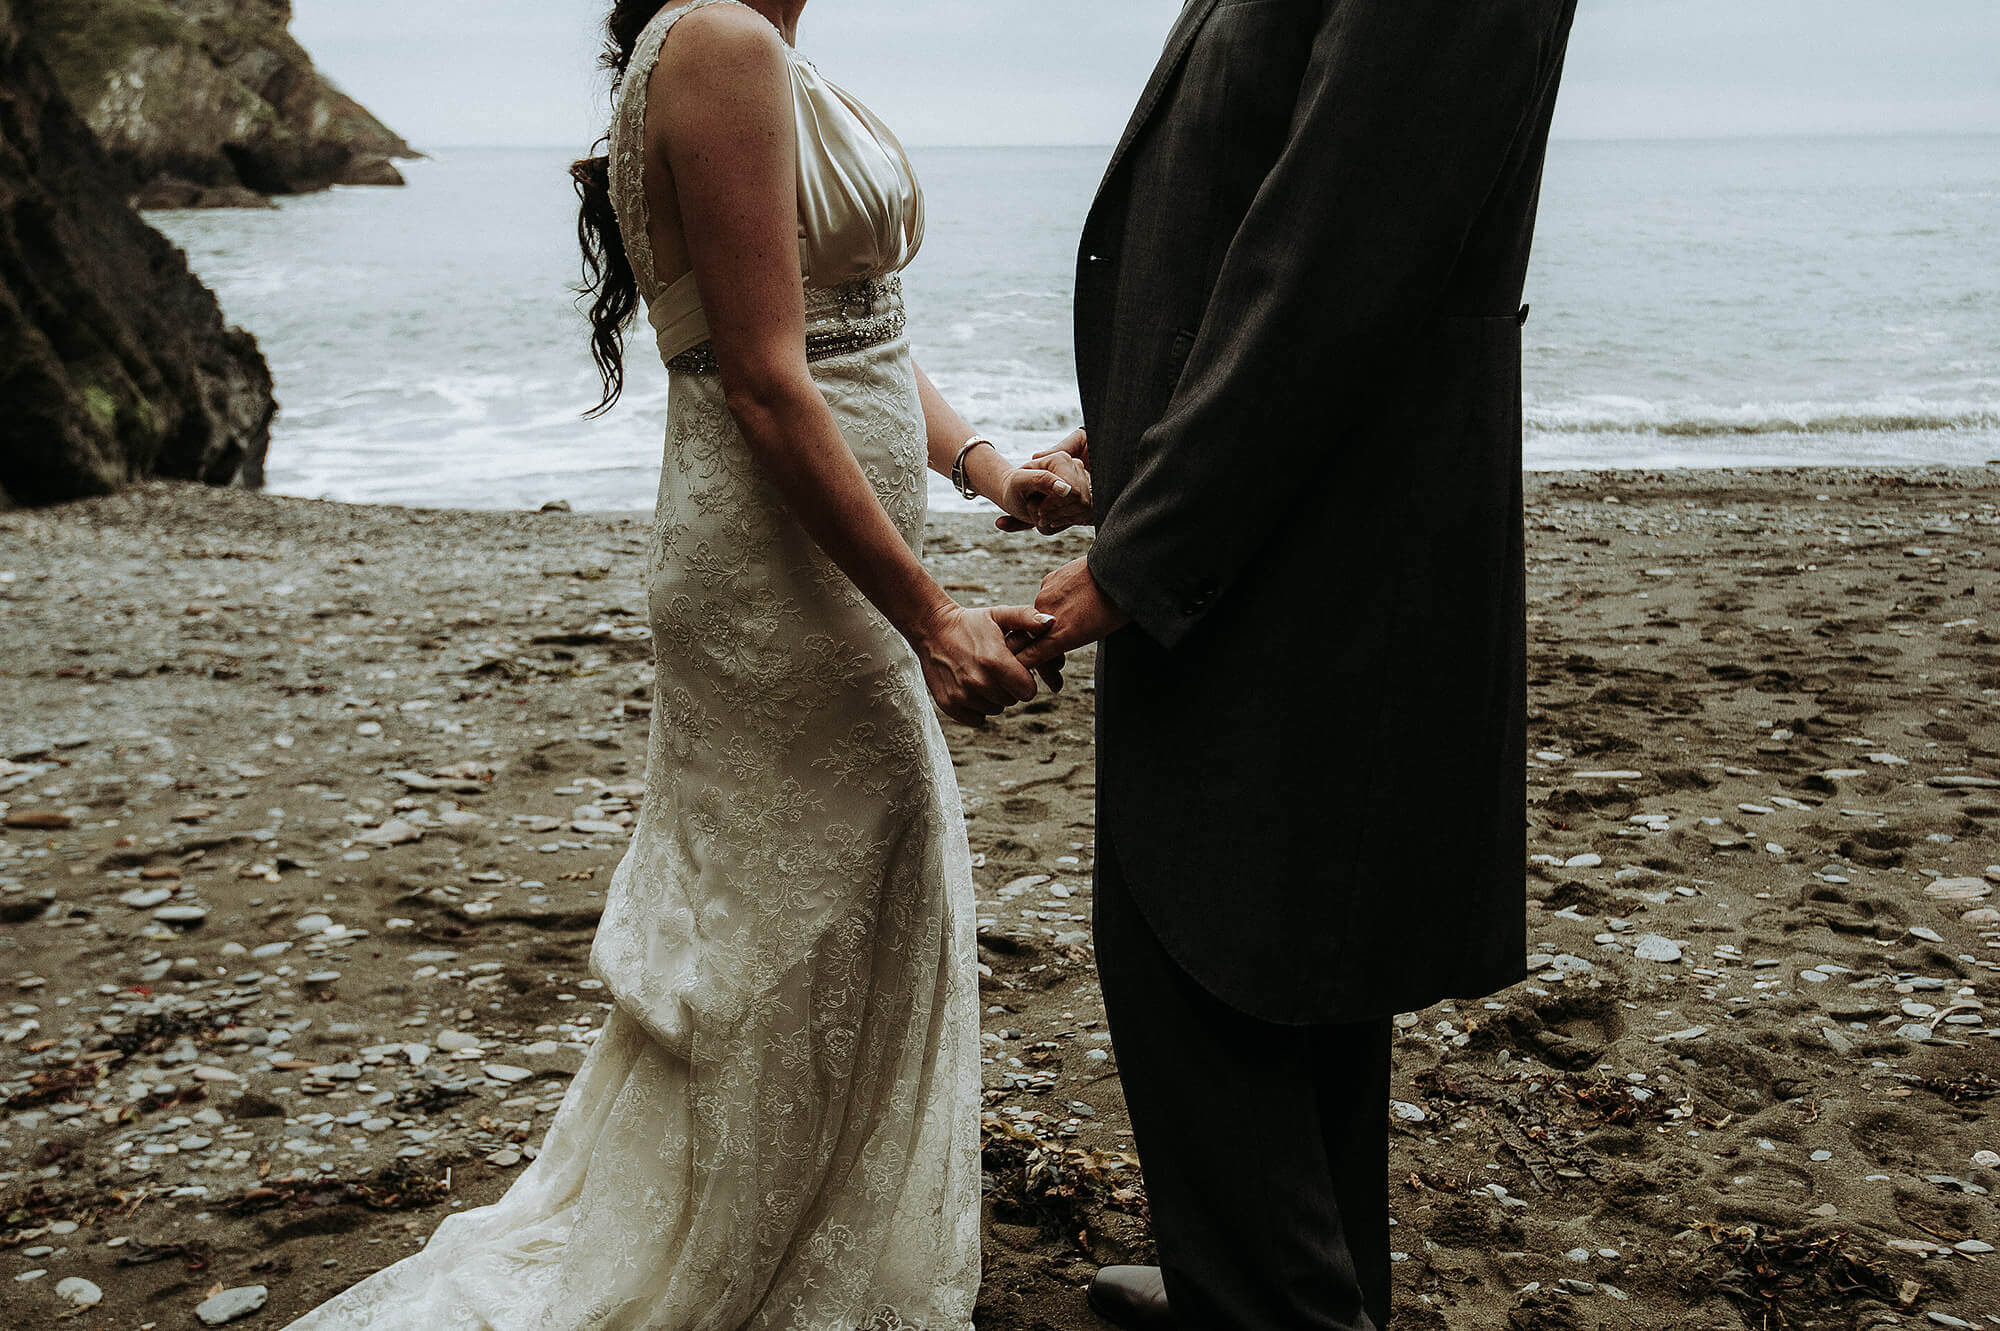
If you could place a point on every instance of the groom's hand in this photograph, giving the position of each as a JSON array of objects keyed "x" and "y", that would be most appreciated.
[
  {"x": 1068, "y": 462},
  {"x": 1082, "y": 612}
]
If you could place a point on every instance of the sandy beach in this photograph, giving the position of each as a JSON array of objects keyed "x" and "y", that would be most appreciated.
[{"x": 309, "y": 809}]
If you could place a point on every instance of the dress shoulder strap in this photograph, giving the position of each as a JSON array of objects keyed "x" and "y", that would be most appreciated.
[{"x": 628, "y": 136}]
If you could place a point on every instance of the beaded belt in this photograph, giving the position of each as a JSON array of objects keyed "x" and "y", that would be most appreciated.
[{"x": 840, "y": 319}]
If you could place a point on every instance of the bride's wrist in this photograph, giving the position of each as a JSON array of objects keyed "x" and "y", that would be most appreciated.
[
  {"x": 927, "y": 621},
  {"x": 986, "y": 471}
]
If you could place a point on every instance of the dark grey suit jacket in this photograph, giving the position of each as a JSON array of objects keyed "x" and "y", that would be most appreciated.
[{"x": 1299, "y": 354}]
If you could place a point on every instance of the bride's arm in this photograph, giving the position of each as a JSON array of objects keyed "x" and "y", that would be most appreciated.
[
  {"x": 1051, "y": 492},
  {"x": 721, "y": 119}
]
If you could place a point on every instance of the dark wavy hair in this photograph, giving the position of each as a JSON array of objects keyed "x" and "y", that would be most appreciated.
[{"x": 608, "y": 284}]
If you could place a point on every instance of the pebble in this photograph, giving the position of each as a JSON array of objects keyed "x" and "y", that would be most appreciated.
[
  {"x": 145, "y": 898},
  {"x": 1655, "y": 947},
  {"x": 312, "y": 924},
  {"x": 45, "y": 820},
  {"x": 395, "y": 832},
  {"x": 78, "y": 1292},
  {"x": 1958, "y": 889},
  {"x": 1590, "y": 859},
  {"x": 189, "y": 915},
  {"x": 505, "y": 1072},
  {"x": 504, "y": 1157},
  {"x": 454, "y": 1041},
  {"x": 231, "y": 1304},
  {"x": 1408, "y": 1112}
]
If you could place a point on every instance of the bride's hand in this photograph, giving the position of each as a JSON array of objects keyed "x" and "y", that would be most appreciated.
[
  {"x": 968, "y": 665},
  {"x": 1051, "y": 493}
]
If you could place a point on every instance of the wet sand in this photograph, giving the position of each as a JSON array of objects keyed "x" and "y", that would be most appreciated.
[{"x": 309, "y": 809}]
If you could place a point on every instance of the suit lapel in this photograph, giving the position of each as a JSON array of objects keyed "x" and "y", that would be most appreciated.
[{"x": 1194, "y": 13}]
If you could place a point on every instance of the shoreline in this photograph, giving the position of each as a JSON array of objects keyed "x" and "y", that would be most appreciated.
[
  {"x": 310, "y": 804},
  {"x": 1710, "y": 477}
]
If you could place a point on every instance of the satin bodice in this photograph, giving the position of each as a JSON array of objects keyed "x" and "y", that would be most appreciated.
[{"x": 861, "y": 211}]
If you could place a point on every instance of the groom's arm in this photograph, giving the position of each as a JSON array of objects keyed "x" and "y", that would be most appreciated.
[{"x": 1406, "y": 121}]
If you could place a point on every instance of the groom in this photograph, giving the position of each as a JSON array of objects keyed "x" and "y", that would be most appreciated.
[{"x": 1298, "y": 338}]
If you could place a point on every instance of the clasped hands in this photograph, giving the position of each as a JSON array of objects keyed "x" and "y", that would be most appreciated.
[{"x": 978, "y": 663}]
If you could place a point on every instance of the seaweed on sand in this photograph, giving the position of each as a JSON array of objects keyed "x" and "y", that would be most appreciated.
[
  {"x": 1038, "y": 1181},
  {"x": 1774, "y": 1279}
]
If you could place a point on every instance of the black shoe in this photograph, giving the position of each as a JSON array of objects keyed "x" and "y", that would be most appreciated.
[{"x": 1133, "y": 1297}]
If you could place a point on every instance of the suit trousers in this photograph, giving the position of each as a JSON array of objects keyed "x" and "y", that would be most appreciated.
[{"x": 1265, "y": 1147}]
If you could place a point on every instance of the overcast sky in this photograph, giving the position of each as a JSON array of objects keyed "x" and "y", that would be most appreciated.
[{"x": 463, "y": 72}]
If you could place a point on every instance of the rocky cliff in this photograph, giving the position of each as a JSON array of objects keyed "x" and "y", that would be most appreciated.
[
  {"x": 115, "y": 362},
  {"x": 209, "y": 102}
]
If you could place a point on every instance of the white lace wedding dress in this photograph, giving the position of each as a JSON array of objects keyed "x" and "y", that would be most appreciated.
[{"x": 778, "y": 1126}]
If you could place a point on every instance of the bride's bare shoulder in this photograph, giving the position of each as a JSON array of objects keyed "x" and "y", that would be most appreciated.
[
  {"x": 723, "y": 82},
  {"x": 723, "y": 68},
  {"x": 715, "y": 43}
]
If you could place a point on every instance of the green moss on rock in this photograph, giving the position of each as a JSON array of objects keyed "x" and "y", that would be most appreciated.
[{"x": 101, "y": 406}]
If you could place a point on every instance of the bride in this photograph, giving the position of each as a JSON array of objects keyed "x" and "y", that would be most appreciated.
[{"x": 777, "y": 1126}]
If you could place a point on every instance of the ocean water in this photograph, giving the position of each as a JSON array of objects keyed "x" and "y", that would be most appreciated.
[{"x": 1721, "y": 303}]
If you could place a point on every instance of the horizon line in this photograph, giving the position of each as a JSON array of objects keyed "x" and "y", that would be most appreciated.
[{"x": 1720, "y": 137}]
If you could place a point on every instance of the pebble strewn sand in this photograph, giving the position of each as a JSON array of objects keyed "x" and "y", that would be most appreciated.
[{"x": 309, "y": 809}]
